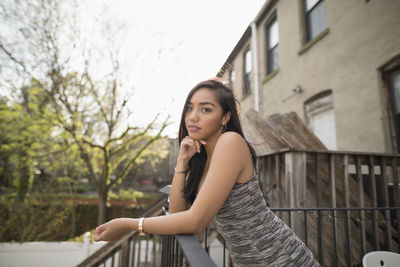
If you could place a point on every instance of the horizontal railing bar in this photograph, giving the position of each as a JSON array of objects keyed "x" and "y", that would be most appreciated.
[
  {"x": 156, "y": 208},
  {"x": 105, "y": 251},
  {"x": 194, "y": 252},
  {"x": 330, "y": 209},
  {"x": 350, "y": 153}
]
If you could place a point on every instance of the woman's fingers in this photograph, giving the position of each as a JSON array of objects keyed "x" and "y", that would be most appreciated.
[
  {"x": 98, "y": 234},
  {"x": 197, "y": 143},
  {"x": 194, "y": 143},
  {"x": 190, "y": 146},
  {"x": 189, "y": 143}
]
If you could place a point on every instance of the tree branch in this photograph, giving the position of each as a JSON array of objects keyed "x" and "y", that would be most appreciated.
[{"x": 131, "y": 162}]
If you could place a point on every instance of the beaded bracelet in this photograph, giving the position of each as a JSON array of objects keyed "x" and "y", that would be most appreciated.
[{"x": 178, "y": 171}]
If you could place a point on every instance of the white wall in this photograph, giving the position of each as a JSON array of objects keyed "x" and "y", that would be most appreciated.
[{"x": 44, "y": 254}]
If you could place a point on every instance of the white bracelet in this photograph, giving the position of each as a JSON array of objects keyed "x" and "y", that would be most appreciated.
[
  {"x": 178, "y": 171},
  {"x": 140, "y": 227}
]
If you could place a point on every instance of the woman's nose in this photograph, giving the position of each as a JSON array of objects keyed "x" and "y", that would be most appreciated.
[{"x": 194, "y": 115}]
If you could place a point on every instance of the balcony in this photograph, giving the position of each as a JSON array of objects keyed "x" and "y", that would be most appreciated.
[{"x": 341, "y": 204}]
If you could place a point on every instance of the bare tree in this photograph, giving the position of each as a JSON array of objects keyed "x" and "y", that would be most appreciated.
[{"x": 42, "y": 44}]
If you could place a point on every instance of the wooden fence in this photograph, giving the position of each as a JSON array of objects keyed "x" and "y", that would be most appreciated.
[{"x": 343, "y": 204}]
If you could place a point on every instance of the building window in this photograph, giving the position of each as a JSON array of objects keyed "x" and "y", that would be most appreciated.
[
  {"x": 247, "y": 72},
  {"x": 392, "y": 80},
  {"x": 232, "y": 77},
  {"x": 272, "y": 45},
  {"x": 315, "y": 17},
  {"x": 321, "y": 118}
]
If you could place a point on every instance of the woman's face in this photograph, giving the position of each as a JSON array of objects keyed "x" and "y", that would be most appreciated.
[{"x": 204, "y": 116}]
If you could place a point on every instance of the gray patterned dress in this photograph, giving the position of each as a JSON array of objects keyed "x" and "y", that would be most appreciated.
[{"x": 254, "y": 235}]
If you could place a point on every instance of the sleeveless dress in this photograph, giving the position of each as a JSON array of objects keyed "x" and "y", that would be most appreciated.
[{"x": 254, "y": 235}]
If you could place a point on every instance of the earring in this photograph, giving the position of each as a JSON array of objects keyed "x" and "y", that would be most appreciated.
[{"x": 225, "y": 127}]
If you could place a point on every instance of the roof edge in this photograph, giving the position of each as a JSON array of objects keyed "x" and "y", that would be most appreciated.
[{"x": 247, "y": 33}]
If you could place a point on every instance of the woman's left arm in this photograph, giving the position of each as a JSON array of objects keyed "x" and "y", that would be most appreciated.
[{"x": 227, "y": 163}]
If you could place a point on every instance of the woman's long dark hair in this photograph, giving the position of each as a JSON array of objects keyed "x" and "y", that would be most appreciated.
[{"x": 225, "y": 98}]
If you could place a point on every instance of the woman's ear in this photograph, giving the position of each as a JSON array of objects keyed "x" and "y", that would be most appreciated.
[{"x": 226, "y": 118}]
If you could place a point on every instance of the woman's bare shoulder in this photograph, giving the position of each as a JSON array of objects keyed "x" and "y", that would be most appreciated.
[
  {"x": 233, "y": 136},
  {"x": 232, "y": 141},
  {"x": 230, "y": 155}
]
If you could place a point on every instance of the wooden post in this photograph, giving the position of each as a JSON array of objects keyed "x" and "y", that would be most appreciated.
[
  {"x": 296, "y": 189},
  {"x": 347, "y": 205}
]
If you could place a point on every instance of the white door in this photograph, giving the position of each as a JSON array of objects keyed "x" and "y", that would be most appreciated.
[{"x": 323, "y": 126}]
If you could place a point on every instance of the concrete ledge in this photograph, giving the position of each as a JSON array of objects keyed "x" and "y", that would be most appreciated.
[
  {"x": 60, "y": 254},
  {"x": 270, "y": 76},
  {"x": 313, "y": 41}
]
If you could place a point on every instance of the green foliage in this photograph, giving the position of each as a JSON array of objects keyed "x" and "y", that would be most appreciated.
[
  {"x": 126, "y": 194},
  {"x": 70, "y": 123},
  {"x": 25, "y": 131},
  {"x": 152, "y": 165},
  {"x": 34, "y": 219},
  {"x": 49, "y": 217}
]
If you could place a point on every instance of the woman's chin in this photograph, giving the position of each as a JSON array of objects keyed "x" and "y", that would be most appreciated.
[
  {"x": 193, "y": 135},
  {"x": 196, "y": 136}
]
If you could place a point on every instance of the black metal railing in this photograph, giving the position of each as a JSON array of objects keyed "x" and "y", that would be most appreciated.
[
  {"x": 184, "y": 250},
  {"x": 131, "y": 250},
  {"x": 351, "y": 199},
  {"x": 322, "y": 228},
  {"x": 153, "y": 250},
  {"x": 341, "y": 204},
  {"x": 331, "y": 221}
]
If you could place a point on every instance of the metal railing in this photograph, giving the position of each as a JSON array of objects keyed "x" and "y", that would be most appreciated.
[
  {"x": 184, "y": 250},
  {"x": 330, "y": 221},
  {"x": 341, "y": 204},
  {"x": 325, "y": 234},
  {"x": 153, "y": 250},
  {"x": 131, "y": 250}
]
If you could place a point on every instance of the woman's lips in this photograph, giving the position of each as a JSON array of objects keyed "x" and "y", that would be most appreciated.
[{"x": 192, "y": 128}]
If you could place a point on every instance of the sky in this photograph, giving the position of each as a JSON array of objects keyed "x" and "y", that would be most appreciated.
[{"x": 181, "y": 43}]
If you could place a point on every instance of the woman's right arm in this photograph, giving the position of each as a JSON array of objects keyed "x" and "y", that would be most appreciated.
[
  {"x": 188, "y": 148},
  {"x": 177, "y": 202}
]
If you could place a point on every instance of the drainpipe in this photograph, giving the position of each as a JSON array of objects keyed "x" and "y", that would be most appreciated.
[{"x": 255, "y": 64}]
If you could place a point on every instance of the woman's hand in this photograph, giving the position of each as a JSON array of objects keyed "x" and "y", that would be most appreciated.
[
  {"x": 114, "y": 229},
  {"x": 189, "y": 147}
]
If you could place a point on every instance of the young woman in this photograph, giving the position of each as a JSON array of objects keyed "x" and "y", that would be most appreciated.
[{"x": 215, "y": 178}]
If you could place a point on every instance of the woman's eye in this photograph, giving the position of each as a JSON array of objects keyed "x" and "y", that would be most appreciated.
[
  {"x": 189, "y": 108},
  {"x": 205, "y": 109}
]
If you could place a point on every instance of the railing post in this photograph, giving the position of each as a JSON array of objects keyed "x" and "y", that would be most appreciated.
[
  {"x": 396, "y": 196},
  {"x": 318, "y": 180},
  {"x": 296, "y": 189},
  {"x": 347, "y": 205},
  {"x": 125, "y": 254},
  {"x": 372, "y": 181},
  {"x": 334, "y": 213},
  {"x": 385, "y": 195},
  {"x": 360, "y": 182}
]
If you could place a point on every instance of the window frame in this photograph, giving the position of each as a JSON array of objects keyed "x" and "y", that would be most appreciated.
[
  {"x": 247, "y": 75},
  {"x": 308, "y": 35},
  {"x": 394, "y": 122},
  {"x": 232, "y": 77},
  {"x": 273, "y": 18}
]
